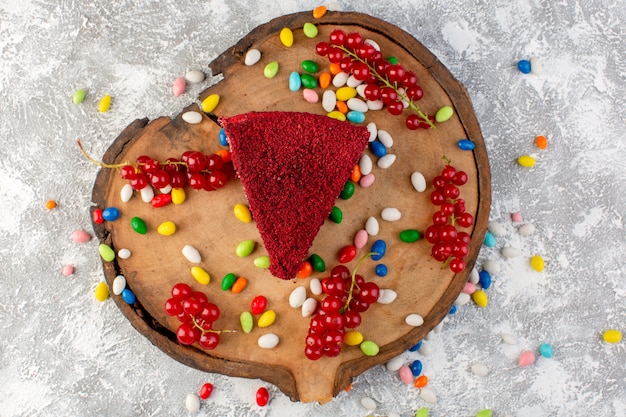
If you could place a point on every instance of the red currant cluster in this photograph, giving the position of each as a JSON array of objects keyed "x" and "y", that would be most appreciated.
[
  {"x": 196, "y": 314},
  {"x": 449, "y": 245},
  {"x": 347, "y": 295},
  {"x": 383, "y": 80}
]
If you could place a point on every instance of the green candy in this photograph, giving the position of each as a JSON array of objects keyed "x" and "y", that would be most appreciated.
[
  {"x": 348, "y": 191},
  {"x": 308, "y": 81},
  {"x": 310, "y": 30},
  {"x": 409, "y": 235},
  {"x": 422, "y": 412},
  {"x": 139, "y": 225},
  {"x": 392, "y": 60},
  {"x": 484, "y": 413},
  {"x": 228, "y": 281},
  {"x": 262, "y": 262},
  {"x": 106, "y": 252},
  {"x": 271, "y": 69},
  {"x": 317, "y": 263},
  {"x": 336, "y": 215},
  {"x": 246, "y": 321},
  {"x": 310, "y": 66},
  {"x": 245, "y": 248},
  {"x": 444, "y": 114},
  {"x": 369, "y": 348},
  {"x": 79, "y": 96}
]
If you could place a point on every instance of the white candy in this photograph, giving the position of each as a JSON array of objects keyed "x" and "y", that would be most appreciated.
[
  {"x": 474, "y": 277},
  {"x": 385, "y": 138},
  {"x": 390, "y": 214},
  {"x": 371, "y": 127},
  {"x": 368, "y": 403},
  {"x": 418, "y": 181},
  {"x": 124, "y": 253},
  {"x": 119, "y": 283},
  {"x": 371, "y": 226},
  {"x": 496, "y": 229},
  {"x": 192, "y": 403},
  {"x": 252, "y": 57},
  {"x": 386, "y": 161},
  {"x": 510, "y": 252},
  {"x": 394, "y": 364},
  {"x": 315, "y": 285},
  {"x": 268, "y": 341},
  {"x": 375, "y": 104},
  {"x": 509, "y": 339},
  {"x": 386, "y": 296},
  {"x": 166, "y": 189},
  {"x": 360, "y": 90},
  {"x": 357, "y": 104},
  {"x": 192, "y": 117},
  {"x": 192, "y": 254},
  {"x": 126, "y": 193},
  {"x": 479, "y": 369},
  {"x": 414, "y": 320},
  {"x": 526, "y": 229},
  {"x": 147, "y": 194},
  {"x": 194, "y": 76},
  {"x": 535, "y": 66},
  {"x": 428, "y": 395},
  {"x": 491, "y": 266},
  {"x": 297, "y": 297},
  {"x": 425, "y": 349},
  {"x": 365, "y": 164},
  {"x": 340, "y": 79},
  {"x": 308, "y": 307},
  {"x": 329, "y": 100},
  {"x": 462, "y": 299},
  {"x": 353, "y": 82},
  {"x": 373, "y": 43}
]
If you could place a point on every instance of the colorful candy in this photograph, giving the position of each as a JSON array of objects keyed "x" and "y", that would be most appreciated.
[
  {"x": 527, "y": 358},
  {"x": 167, "y": 228},
  {"x": 369, "y": 348},
  {"x": 192, "y": 117},
  {"x": 526, "y": 161},
  {"x": 262, "y": 397},
  {"x": 271, "y": 70},
  {"x": 286, "y": 37},
  {"x": 612, "y": 336},
  {"x": 444, "y": 114},
  {"x": 390, "y": 214},
  {"x": 102, "y": 291},
  {"x": 246, "y": 321},
  {"x": 262, "y": 261},
  {"x": 414, "y": 320},
  {"x": 79, "y": 96},
  {"x": 105, "y": 104},
  {"x": 545, "y": 349},
  {"x": 267, "y": 318},
  {"x": 297, "y": 297},
  {"x": 268, "y": 341},
  {"x": 178, "y": 86},
  {"x": 80, "y": 236},
  {"x": 245, "y": 248},
  {"x": 106, "y": 252},
  {"x": 310, "y": 30},
  {"x": 537, "y": 263},
  {"x": 210, "y": 103},
  {"x": 480, "y": 298},
  {"x": 200, "y": 275},
  {"x": 119, "y": 284},
  {"x": 138, "y": 225},
  {"x": 191, "y": 254}
]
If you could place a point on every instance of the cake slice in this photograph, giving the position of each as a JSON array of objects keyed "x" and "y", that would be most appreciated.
[{"x": 292, "y": 166}]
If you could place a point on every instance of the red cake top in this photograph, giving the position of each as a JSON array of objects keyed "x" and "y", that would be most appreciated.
[{"x": 292, "y": 166}]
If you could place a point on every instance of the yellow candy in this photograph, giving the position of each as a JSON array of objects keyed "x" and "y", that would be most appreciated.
[
  {"x": 286, "y": 37},
  {"x": 210, "y": 103},
  {"x": 612, "y": 336},
  {"x": 178, "y": 195},
  {"x": 480, "y": 298},
  {"x": 526, "y": 161},
  {"x": 267, "y": 318},
  {"x": 536, "y": 262},
  {"x": 337, "y": 115},
  {"x": 200, "y": 275},
  {"x": 104, "y": 104},
  {"x": 242, "y": 212},
  {"x": 345, "y": 93},
  {"x": 353, "y": 338},
  {"x": 102, "y": 291},
  {"x": 167, "y": 228}
]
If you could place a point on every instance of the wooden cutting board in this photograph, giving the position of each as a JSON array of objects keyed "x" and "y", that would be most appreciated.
[{"x": 206, "y": 219}]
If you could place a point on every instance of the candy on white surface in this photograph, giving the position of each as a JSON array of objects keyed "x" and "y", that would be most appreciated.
[
  {"x": 462, "y": 299},
  {"x": 509, "y": 339},
  {"x": 192, "y": 403},
  {"x": 510, "y": 252},
  {"x": 368, "y": 403},
  {"x": 474, "y": 277},
  {"x": 425, "y": 349},
  {"x": 491, "y": 266},
  {"x": 428, "y": 395},
  {"x": 194, "y": 76},
  {"x": 496, "y": 229},
  {"x": 480, "y": 369},
  {"x": 67, "y": 270},
  {"x": 526, "y": 229},
  {"x": 394, "y": 364}
]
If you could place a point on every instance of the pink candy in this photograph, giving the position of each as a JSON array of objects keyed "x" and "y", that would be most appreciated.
[
  {"x": 67, "y": 270},
  {"x": 367, "y": 180},
  {"x": 527, "y": 358},
  {"x": 516, "y": 217},
  {"x": 405, "y": 374},
  {"x": 80, "y": 236},
  {"x": 310, "y": 96},
  {"x": 469, "y": 288},
  {"x": 178, "y": 88},
  {"x": 360, "y": 239}
]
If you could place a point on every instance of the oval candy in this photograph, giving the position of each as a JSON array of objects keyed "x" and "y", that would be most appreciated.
[
  {"x": 444, "y": 114},
  {"x": 466, "y": 145},
  {"x": 245, "y": 248},
  {"x": 310, "y": 30},
  {"x": 378, "y": 250},
  {"x": 167, "y": 228},
  {"x": 128, "y": 296},
  {"x": 192, "y": 117},
  {"x": 262, "y": 262},
  {"x": 297, "y": 297},
  {"x": 79, "y": 96},
  {"x": 178, "y": 86},
  {"x": 286, "y": 37},
  {"x": 138, "y": 225},
  {"x": 178, "y": 195},
  {"x": 271, "y": 70},
  {"x": 111, "y": 213},
  {"x": 369, "y": 348},
  {"x": 102, "y": 291},
  {"x": 414, "y": 320},
  {"x": 126, "y": 193},
  {"x": 371, "y": 226},
  {"x": 308, "y": 307},
  {"x": 80, "y": 236},
  {"x": 268, "y": 341},
  {"x": 612, "y": 336},
  {"x": 124, "y": 253},
  {"x": 194, "y": 76},
  {"x": 210, "y": 103},
  {"x": 409, "y": 235},
  {"x": 192, "y": 254},
  {"x": 200, "y": 275},
  {"x": 267, "y": 318},
  {"x": 390, "y": 214},
  {"x": 252, "y": 57},
  {"x": 526, "y": 161},
  {"x": 106, "y": 252},
  {"x": 246, "y": 321},
  {"x": 105, "y": 104},
  {"x": 119, "y": 284},
  {"x": 228, "y": 281},
  {"x": 418, "y": 181}
]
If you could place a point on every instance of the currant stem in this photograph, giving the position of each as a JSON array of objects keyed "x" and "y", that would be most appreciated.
[
  {"x": 402, "y": 96},
  {"x": 346, "y": 306},
  {"x": 96, "y": 162}
]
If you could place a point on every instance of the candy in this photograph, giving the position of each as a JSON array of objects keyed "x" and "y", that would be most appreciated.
[
  {"x": 421, "y": 381},
  {"x": 414, "y": 320},
  {"x": 310, "y": 30},
  {"x": 200, "y": 275},
  {"x": 484, "y": 413},
  {"x": 346, "y": 254},
  {"x": 537, "y": 263},
  {"x": 147, "y": 193},
  {"x": 191, "y": 254},
  {"x": 268, "y": 341},
  {"x": 124, "y": 253},
  {"x": 252, "y": 57},
  {"x": 228, "y": 281},
  {"x": 286, "y": 37},
  {"x": 305, "y": 270},
  {"x": 490, "y": 240},
  {"x": 105, "y": 104},
  {"x": 246, "y": 321},
  {"x": 428, "y": 395},
  {"x": 491, "y": 266},
  {"x": 444, "y": 114},
  {"x": 371, "y": 226},
  {"x": 119, "y": 284},
  {"x": 418, "y": 181},
  {"x": 194, "y": 76},
  {"x": 309, "y": 66},
  {"x": 409, "y": 235},
  {"x": 178, "y": 86},
  {"x": 462, "y": 299},
  {"x": 378, "y": 250},
  {"x": 340, "y": 79},
  {"x": 416, "y": 367},
  {"x": 336, "y": 215},
  {"x": 192, "y": 403},
  {"x": 524, "y": 66},
  {"x": 262, "y": 262},
  {"x": 80, "y": 236},
  {"x": 308, "y": 81},
  {"x": 192, "y": 117},
  {"x": 367, "y": 180},
  {"x": 386, "y": 161},
  {"x": 510, "y": 252},
  {"x": 258, "y": 304},
  {"x": 308, "y": 307},
  {"x": 394, "y": 364},
  {"x": 535, "y": 66},
  {"x": 51, "y": 204},
  {"x": 516, "y": 217},
  {"x": 348, "y": 190},
  {"x": 480, "y": 298},
  {"x": 317, "y": 263},
  {"x": 267, "y": 318},
  {"x": 526, "y": 161},
  {"x": 242, "y": 213},
  {"x": 355, "y": 116},
  {"x": 297, "y": 297},
  {"x": 79, "y": 96},
  {"x": 390, "y": 214},
  {"x": 167, "y": 228},
  {"x": 128, "y": 296},
  {"x": 358, "y": 105},
  {"x": 67, "y": 270},
  {"x": 545, "y": 349},
  {"x": 496, "y": 229},
  {"x": 365, "y": 164},
  {"x": 337, "y": 115},
  {"x": 406, "y": 375},
  {"x": 466, "y": 145},
  {"x": 319, "y": 11},
  {"x": 612, "y": 336},
  {"x": 526, "y": 229},
  {"x": 138, "y": 225},
  {"x": 315, "y": 285},
  {"x": 386, "y": 296},
  {"x": 106, "y": 252},
  {"x": 479, "y": 369},
  {"x": 210, "y": 103},
  {"x": 360, "y": 239},
  {"x": 102, "y": 291},
  {"x": 310, "y": 96},
  {"x": 469, "y": 288},
  {"x": 369, "y": 348},
  {"x": 161, "y": 200},
  {"x": 422, "y": 412},
  {"x": 178, "y": 195},
  {"x": 541, "y": 142},
  {"x": 324, "y": 81},
  {"x": 239, "y": 285},
  {"x": 262, "y": 397},
  {"x": 329, "y": 100},
  {"x": 271, "y": 70},
  {"x": 509, "y": 339},
  {"x": 527, "y": 358},
  {"x": 368, "y": 403},
  {"x": 206, "y": 390},
  {"x": 353, "y": 338},
  {"x": 245, "y": 248},
  {"x": 345, "y": 93},
  {"x": 381, "y": 270},
  {"x": 484, "y": 279}
]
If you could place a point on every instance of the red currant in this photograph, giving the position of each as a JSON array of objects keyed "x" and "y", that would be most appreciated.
[
  {"x": 322, "y": 48},
  {"x": 187, "y": 334},
  {"x": 337, "y": 37},
  {"x": 181, "y": 291},
  {"x": 209, "y": 340},
  {"x": 396, "y": 73},
  {"x": 457, "y": 265},
  {"x": 354, "y": 40}
]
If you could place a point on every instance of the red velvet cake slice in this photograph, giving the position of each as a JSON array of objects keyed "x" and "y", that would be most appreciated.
[{"x": 292, "y": 166}]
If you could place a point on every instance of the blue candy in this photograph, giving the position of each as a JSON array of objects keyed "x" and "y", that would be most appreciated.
[
  {"x": 381, "y": 270},
  {"x": 378, "y": 148},
  {"x": 416, "y": 347},
  {"x": 523, "y": 66},
  {"x": 355, "y": 116},
  {"x": 416, "y": 367},
  {"x": 466, "y": 145},
  {"x": 128, "y": 296},
  {"x": 484, "y": 279},
  {"x": 223, "y": 138},
  {"x": 295, "y": 82},
  {"x": 378, "y": 249},
  {"x": 490, "y": 240},
  {"x": 546, "y": 350},
  {"x": 453, "y": 309},
  {"x": 110, "y": 214}
]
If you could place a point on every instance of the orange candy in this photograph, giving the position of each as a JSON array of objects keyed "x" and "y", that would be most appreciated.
[
  {"x": 305, "y": 270},
  {"x": 541, "y": 142},
  {"x": 334, "y": 68},
  {"x": 324, "y": 80},
  {"x": 51, "y": 204},
  {"x": 239, "y": 285},
  {"x": 355, "y": 176},
  {"x": 342, "y": 107},
  {"x": 421, "y": 381},
  {"x": 225, "y": 155},
  {"x": 319, "y": 11}
]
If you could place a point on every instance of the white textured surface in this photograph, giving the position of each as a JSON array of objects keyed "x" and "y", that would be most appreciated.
[{"x": 62, "y": 353}]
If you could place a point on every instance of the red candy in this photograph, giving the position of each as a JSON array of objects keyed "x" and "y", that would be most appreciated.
[
  {"x": 262, "y": 397},
  {"x": 347, "y": 253},
  {"x": 161, "y": 200},
  {"x": 258, "y": 305},
  {"x": 206, "y": 390},
  {"x": 96, "y": 216}
]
